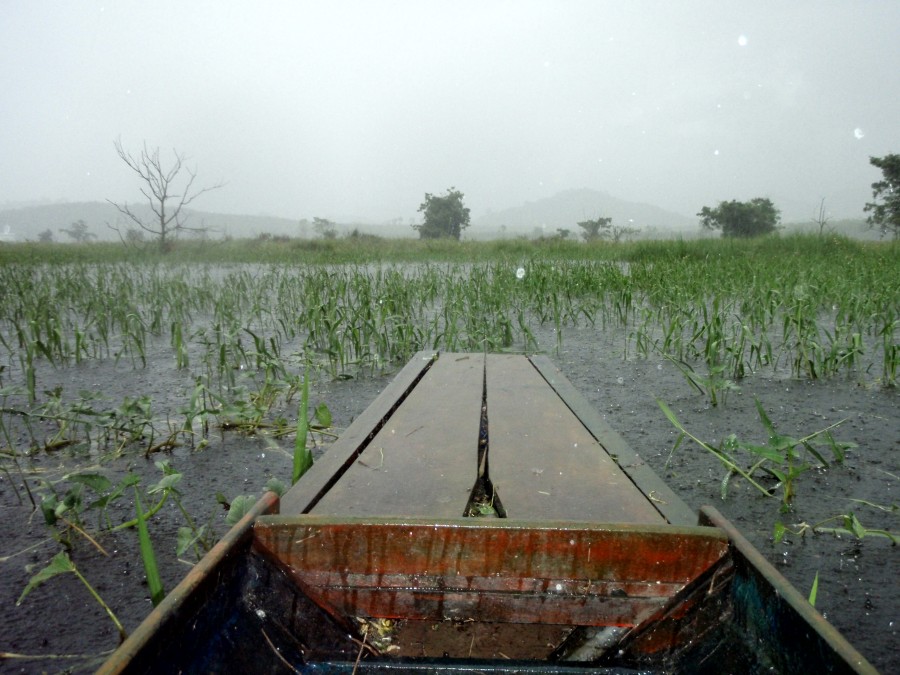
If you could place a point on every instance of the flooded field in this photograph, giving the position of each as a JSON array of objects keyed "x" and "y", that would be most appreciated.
[{"x": 180, "y": 386}]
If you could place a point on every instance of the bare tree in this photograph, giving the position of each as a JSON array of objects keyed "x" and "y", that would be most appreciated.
[
  {"x": 821, "y": 220},
  {"x": 160, "y": 187}
]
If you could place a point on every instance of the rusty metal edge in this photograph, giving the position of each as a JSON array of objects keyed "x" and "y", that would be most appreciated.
[
  {"x": 235, "y": 542},
  {"x": 710, "y": 516},
  {"x": 304, "y": 495},
  {"x": 660, "y": 495}
]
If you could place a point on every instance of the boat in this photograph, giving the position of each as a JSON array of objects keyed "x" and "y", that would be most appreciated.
[{"x": 388, "y": 558}]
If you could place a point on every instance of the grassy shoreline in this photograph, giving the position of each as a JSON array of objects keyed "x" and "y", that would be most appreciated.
[{"x": 369, "y": 249}]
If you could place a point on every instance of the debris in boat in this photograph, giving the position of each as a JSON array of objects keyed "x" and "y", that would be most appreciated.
[{"x": 379, "y": 633}]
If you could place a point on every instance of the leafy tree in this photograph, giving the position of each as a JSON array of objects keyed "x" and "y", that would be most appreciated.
[
  {"x": 46, "y": 236},
  {"x": 886, "y": 214},
  {"x": 592, "y": 228},
  {"x": 619, "y": 232},
  {"x": 161, "y": 188},
  {"x": 563, "y": 233},
  {"x": 742, "y": 219},
  {"x": 78, "y": 231},
  {"x": 445, "y": 216},
  {"x": 603, "y": 228},
  {"x": 325, "y": 228}
]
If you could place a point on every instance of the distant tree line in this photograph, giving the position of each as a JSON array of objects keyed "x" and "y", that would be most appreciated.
[
  {"x": 169, "y": 188},
  {"x": 760, "y": 217}
]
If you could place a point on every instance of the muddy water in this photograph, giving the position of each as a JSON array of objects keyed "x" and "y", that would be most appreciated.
[{"x": 858, "y": 590}]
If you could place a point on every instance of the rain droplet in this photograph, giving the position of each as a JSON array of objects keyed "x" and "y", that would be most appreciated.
[
  {"x": 859, "y": 133},
  {"x": 620, "y": 380},
  {"x": 520, "y": 273},
  {"x": 742, "y": 40}
]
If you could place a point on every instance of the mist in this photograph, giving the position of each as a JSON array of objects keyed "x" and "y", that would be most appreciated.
[{"x": 354, "y": 110}]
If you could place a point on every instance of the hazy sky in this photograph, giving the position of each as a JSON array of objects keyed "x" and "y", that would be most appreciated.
[{"x": 358, "y": 108}]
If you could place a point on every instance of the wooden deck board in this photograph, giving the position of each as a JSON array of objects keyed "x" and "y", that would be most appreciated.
[
  {"x": 664, "y": 499},
  {"x": 544, "y": 463},
  {"x": 328, "y": 470},
  {"x": 423, "y": 462}
]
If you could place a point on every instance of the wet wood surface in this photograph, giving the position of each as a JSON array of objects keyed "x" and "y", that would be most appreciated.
[
  {"x": 418, "y": 455},
  {"x": 423, "y": 461},
  {"x": 543, "y": 461},
  {"x": 490, "y": 569}
]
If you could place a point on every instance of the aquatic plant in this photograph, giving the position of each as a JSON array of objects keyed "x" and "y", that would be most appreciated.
[
  {"x": 781, "y": 457},
  {"x": 62, "y": 564}
]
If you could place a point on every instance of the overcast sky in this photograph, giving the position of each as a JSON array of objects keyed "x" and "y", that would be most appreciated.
[{"x": 344, "y": 109}]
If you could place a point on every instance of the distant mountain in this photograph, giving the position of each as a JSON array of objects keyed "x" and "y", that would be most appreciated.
[
  {"x": 566, "y": 209},
  {"x": 26, "y": 223}
]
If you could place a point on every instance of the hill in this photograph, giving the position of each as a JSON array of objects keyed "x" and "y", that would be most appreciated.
[{"x": 567, "y": 208}]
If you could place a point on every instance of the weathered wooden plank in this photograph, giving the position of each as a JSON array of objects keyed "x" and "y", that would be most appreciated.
[
  {"x": 544, "y": 463},
  {"x": 423, "y": 461},
  {"x": 490, "y": 569},
  {"x": 670, "y": 505},
  {"x": 324, "y": 473}
]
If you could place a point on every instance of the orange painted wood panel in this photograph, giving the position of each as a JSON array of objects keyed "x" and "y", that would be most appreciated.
[{"x": 489, "y": 569}]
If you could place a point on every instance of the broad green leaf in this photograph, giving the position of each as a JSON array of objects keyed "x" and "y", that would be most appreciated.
[
  {"x": 48, "y": 508},
  {"x": 780, "y": 531},
  {"x": 240, "y": 507},
  {"x": 323, "y": 415},
  {"x": 60, "y": 564},
  {"x": 856, "y": 527},
  {"x": 96, "y": 481},
  {"x": 130, "y": 479},
  {"x": 184, "y": 540},
  {"x": 187, "y": 538},
  {"x": 165, "y": 466},
  {"x": 167, "y": 482},
  {"x": 277, "y": 486}
]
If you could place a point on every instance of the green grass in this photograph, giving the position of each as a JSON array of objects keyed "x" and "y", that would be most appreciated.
[
  {"x": 246, "y": 325},
  {"x": 240, "y": 320}
]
